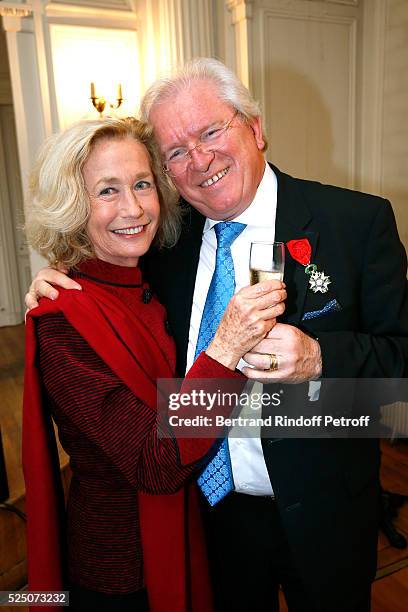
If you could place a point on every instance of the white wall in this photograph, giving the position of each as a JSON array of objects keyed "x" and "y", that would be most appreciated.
[
  {"x": 305, "y": 61},
  {"x": 394, "y": 154}
]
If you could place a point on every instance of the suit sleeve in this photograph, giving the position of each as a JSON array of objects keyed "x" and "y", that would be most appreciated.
[
  {"x": 380, "y": 346},
  {"x": 92, "y": 404}
]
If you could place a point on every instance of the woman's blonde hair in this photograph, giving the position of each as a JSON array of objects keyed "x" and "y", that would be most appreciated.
[{"x": 58, "y": 205}]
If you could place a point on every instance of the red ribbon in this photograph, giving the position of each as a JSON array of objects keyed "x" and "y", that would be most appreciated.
[{"x": 300, "y": 250}]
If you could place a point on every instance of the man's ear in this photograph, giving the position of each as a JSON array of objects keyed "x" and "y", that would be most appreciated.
[{"x": 256, "y": 127}]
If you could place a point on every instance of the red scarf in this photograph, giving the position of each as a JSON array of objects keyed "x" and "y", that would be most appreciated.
[{"x": 175, "y": 568}]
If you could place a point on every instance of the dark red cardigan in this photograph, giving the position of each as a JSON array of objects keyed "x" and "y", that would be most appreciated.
[{"x": 126, "y": 344}]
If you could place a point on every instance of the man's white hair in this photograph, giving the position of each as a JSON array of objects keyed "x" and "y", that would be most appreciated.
[{"x": 227, "y": 84}]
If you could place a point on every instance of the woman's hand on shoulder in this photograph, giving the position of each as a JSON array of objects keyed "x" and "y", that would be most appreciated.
[{"x": 42, "y": 285}]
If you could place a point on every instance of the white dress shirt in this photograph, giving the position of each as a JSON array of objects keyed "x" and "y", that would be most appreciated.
[{"x": 248, "y": 463}]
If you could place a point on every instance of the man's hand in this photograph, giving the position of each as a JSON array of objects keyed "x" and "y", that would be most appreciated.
[
  {"x": 299, "y": 357},
  {"x": 41, "y": 287}
]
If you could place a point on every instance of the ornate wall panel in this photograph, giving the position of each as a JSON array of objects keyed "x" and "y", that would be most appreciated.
[
  {"x": 125, "y": 5},
  {"x": 305, "y": 64}
]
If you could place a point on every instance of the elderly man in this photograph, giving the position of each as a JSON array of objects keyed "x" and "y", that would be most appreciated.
[{"x": 302, "y": 513}]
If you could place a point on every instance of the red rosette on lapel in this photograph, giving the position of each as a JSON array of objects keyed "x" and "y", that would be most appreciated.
[{"x": 300, "y": 250}]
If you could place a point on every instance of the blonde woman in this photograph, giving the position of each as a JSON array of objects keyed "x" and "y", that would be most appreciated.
[{"x": 99, "y": 199}]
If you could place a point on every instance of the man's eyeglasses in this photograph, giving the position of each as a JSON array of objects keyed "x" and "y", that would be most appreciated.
[{"x": 209, "y": 141}]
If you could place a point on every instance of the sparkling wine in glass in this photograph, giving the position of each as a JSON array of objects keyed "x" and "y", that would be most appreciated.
[{"x": 267, "y": 261}]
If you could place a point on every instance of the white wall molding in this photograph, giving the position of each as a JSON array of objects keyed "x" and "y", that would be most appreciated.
[
  {"x": 90, "y": 15},
  {"x": 13, "y": 214},
  {"x": 13, "y": 26},
  {"x": 13, "y": 23},
  {"x": 241, "y": 9},
  {"x": 43, "y": 67},
  {"x": 346, "y": 2},
  {"x": 187, "y": 29},
  {"x": 372, "y": 99},
  {"x": 15, "y": 9},
  {"x": 353, "y": 106},
  {"x": 302, "y": 9},
  {"x": 241, "y": 17},
  {"x": 27, "y": 99},
  {"x": 172, "y": 32},
  {"x": 10, "y": 301},
  {"x": 116, "y": 5},
  {"x": 197, "y": 28}
]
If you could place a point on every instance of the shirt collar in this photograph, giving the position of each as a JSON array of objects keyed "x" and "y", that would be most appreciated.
[{"x": 259, "y": 213}]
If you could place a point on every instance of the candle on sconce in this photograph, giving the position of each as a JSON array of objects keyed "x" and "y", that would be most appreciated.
[
  {"x": 93, "y": 90},
  {"x": 120, "y": 97}
]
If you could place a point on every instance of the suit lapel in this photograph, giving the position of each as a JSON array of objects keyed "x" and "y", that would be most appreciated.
[
  {"x": 185, "y": 278},
  {"x": 172, "y": 275},
  {"x": 292, "y": 220}
]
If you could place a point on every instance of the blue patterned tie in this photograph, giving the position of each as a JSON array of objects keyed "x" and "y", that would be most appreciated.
[{"x": 216, "y": 480}]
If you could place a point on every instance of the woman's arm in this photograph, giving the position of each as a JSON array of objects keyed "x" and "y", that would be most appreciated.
[{"x": 88, "y": 397}]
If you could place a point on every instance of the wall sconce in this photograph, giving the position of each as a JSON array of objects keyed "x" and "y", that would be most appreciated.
[
  {"x": 104, "y": 56},
  {"x": 99, "y": 102}
]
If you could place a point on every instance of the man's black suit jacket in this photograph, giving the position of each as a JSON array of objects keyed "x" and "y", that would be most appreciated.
[{"x": 327, "y": 489}]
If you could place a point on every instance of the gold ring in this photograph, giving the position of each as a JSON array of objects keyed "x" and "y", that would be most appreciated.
[{"x": 274, "y": 365}]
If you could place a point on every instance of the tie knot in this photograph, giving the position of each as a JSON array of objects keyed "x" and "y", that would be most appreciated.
[{"x": 227, "y": 232}]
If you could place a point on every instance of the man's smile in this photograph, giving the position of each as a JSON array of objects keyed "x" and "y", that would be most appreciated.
[{"x": 213, "y": 179}]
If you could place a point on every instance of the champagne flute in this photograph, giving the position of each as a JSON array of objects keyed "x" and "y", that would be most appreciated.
[{"x": 267, "y": 261}]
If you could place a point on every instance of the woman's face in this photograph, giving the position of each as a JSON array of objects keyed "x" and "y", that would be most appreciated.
[{"x": 125, "y": 207}]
